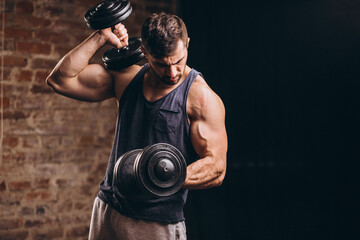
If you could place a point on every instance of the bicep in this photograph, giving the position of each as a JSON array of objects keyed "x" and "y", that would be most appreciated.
[{"x": 208, "y": 132}]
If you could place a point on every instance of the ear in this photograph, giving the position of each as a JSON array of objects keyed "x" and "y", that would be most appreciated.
[
  {"x": 144, "y": 51},
  {"x": 188, "y": 41}
]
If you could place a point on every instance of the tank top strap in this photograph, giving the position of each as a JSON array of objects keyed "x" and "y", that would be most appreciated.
[
  {"x": 191, "y": 78},
  {"x": 137, "y": 79}
]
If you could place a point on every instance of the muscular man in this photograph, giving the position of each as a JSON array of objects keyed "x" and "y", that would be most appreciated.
[{"x": 163, "y": 101}]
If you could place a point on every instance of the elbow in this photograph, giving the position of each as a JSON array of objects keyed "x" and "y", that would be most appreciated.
[
  {"x": 220, "y": 180},
  {"x": 53, "y": 82},
  {"x": 50, "y": 80},
  {"x": 221, "y": 176}
]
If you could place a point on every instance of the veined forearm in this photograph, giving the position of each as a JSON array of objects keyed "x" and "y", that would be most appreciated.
[
  {"x": 78, "y": 58},
  {"x": 205, "y": 173}
]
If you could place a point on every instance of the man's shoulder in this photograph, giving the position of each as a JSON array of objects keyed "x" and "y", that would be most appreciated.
[
  {"x": 200, "y": 90},
  {"x": 126, "y": 73},
  {"x": 123, "y": 77},
  {"x": 202, "y": 98}
]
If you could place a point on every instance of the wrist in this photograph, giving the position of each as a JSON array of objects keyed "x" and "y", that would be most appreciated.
[{"x": 100, "y": 38}]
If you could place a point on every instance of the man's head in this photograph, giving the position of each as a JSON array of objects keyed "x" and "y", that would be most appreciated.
[
  {"x": 161, "y": 32},
  {"x": 165, "y": 41}
]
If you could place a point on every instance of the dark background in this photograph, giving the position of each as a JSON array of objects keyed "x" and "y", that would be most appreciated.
[{"x": 288, "y": 73}]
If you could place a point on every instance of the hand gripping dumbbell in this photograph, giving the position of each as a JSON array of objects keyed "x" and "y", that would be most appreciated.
[
  {"x": 158, "y": 170},
  {"x": 107, "y": 14}
]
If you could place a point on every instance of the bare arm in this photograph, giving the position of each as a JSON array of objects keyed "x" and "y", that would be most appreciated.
[
  {"x": 74, "y": 77},
  {"x": 208, "y": 136}
]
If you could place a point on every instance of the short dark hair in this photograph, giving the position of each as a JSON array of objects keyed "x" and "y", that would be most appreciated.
[{"x": 161, "y": 33}]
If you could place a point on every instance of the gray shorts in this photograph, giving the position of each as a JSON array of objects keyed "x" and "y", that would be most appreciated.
[{"x": 108, "y": 224}]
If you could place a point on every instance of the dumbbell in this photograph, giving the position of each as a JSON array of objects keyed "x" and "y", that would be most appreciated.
[
  {"x": 107, "y": 14},
  {"x": 158, "y": 170}
]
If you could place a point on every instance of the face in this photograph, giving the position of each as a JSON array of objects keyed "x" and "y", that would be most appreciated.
[{"x": 169, "y": 70}]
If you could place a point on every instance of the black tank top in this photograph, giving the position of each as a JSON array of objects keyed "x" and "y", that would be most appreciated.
[{"x": 141, "y": 123}]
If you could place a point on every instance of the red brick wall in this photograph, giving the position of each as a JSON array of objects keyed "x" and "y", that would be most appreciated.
[{"x": 54, "y": 150}]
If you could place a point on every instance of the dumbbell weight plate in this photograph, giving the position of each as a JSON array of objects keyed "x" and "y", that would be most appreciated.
[
  {"x": 116, "y": 59},
  {"x": 160, "y": 169},
  {"x": 124, "y": 174},
  {"x": 107, "y": 13}
]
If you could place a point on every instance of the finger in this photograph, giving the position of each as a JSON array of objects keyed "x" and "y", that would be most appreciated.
[
  {"x": 118, "y": 27},
  {"x": 126, "y": 40},
  {"x": 119, "y": 33}
]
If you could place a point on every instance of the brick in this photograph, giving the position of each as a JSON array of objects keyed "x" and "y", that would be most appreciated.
[
  {"x": 61, "y": 50},
  {"x": 10, "y": 141},
  {"x": 37, "y": 157},
  {"x": 13, "y": 158},
  {"x": 43, "y": 63},
  {"x": 26, "y": 211},
  {"x": 80, "y": 37},
  {"x": 17, "y": 33},
  {"x": 29, "y": 47},
  {"x": 20, "y": 128},
  {"x": 41, "y": 89},
  {"x": 47, "y": 170},
  {"x": 15, "y": 115},
  {"x": 31, "y": 142},
  {"x": 40, "y": 76},
  {"x": 64, "y": 183},
  {"x": 42, "y": 182},
  {"x": 42, "y": 116},
  {"x": 14, "y": 235},
  {"x": 74, "y": 218},
  {"x": 81, "y": 231},
  {"x": 32, "y": 22},
  {"x": 37, "y": 223},
  {"x": 11, "y": 90},
  {"x": 7, "y": 212},
  {"x": 9, "y": 44},
  {"x": 68, "y": 141},
  {"x": 50, "y": 141},
  {"x": 2, "y": 186},
  {"x": 24, "y": 76},
  {"x": 12, "y": 199},
  {"x": 40, "y": 210},
  {"x": 9, "y": 17},
  {"x": 45, "y": 234},
  {"x": 87, "y": 140},
  {"x": 14, "y": 61},
  {"x": 6, "y": 224},
  {"x": 65, "y": 206},
  {"x": 70, "y": 26},
  {"x": 50, "y": 129},
  {"x": 52, "y": 37},
  {"x": 68, "y": 115},
  {"x": 7, "y": 73},
  {"x": 5, "y": 102},
  {"x": 9, "y": 6},
  {"x": 39, "y": 195},
  {"x": 24, "y": 7},
  {"x": 19, "y": 185},
  {"x": 35, "y": 102},
  {"x": 82, "y": 206}
]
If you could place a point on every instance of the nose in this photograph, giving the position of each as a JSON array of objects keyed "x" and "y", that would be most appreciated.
[{"x": 172, "y": 71}]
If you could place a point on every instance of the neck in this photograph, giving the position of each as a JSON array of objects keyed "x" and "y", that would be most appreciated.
[
  {"x": 154, "y": 81},
  {"x": 154, "y": 88}
]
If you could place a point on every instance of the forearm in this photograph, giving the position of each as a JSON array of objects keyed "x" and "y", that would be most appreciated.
[
  {"x": 78, "y": 58},
  {"x": 205, "y": 173}
]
